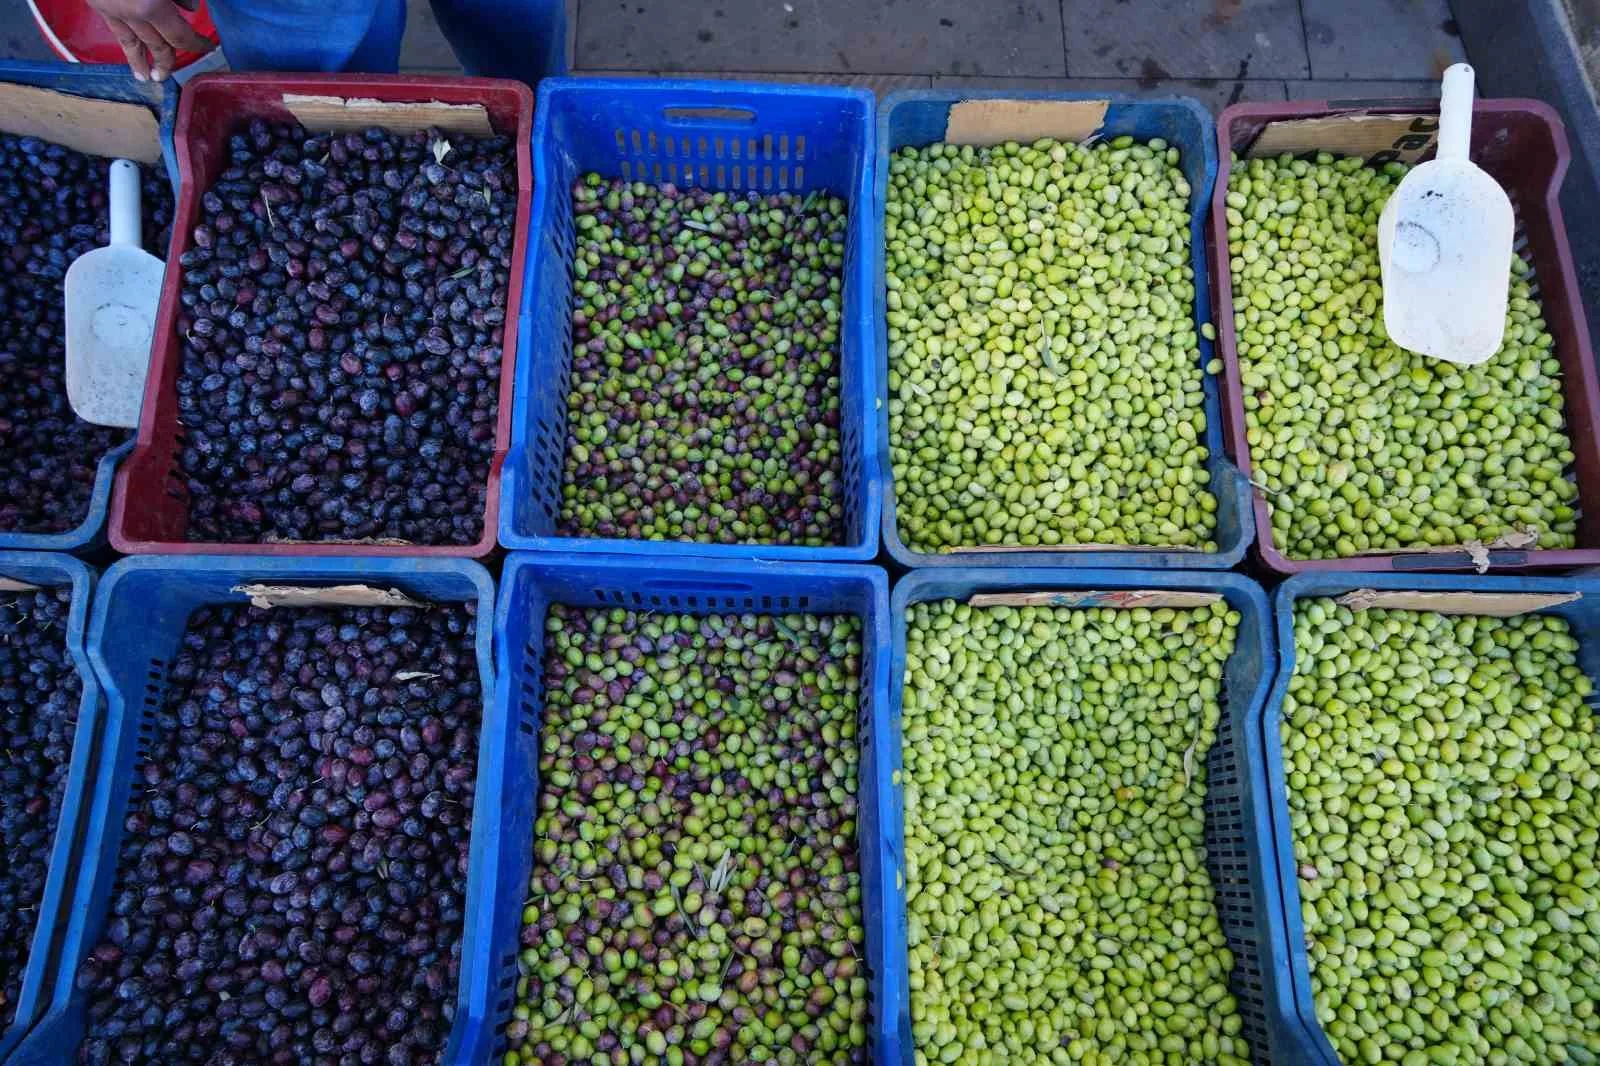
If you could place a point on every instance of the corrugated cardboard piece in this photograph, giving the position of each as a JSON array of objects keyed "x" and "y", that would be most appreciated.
[
  {"x": 1492, "y": 604},
  {"x": 1089, "y": 598},
  {"x": 1376, "y": 138},
  {"x": 267, "y": 596},
  {"x": 340, "y": 114},
  {"x": 99, "y": 127},
  {"x": 8, "y": 584},
  {"x": 986, "y": 122}
]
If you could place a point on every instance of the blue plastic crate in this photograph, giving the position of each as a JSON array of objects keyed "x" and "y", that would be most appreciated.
[
  {"x": 528, "y": 585},
  {"x": 713, "y": 134},
  {"x": 140, "y": 612},
  {"x": 1239, "y": 837},
  {"x": 916, "y": 117},
  {"x": 1294, "y": 1034},
  {"x": 100, "y": 83},
  {"x": 51, "y": 570}
]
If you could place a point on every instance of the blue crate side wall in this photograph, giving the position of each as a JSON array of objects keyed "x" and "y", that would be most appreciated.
[
  {"x": 52, "y": 570},
  {"x": 1238, "y": 826},
  {"x": 530, "y": 584},
  {"x": 916, "y": 118},
  {"x": 815, "y": 140}
]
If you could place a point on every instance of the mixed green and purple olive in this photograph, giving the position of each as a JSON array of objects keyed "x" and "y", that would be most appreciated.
[
  {"x": 696, "y": 890},
  {"x": 704, "y": 394}
]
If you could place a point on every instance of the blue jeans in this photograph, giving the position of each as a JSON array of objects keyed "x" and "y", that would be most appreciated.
[{"x": 523, "y": 39}]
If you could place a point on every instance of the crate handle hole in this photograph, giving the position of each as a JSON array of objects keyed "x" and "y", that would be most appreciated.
[
  {"x": 704, "y": 115},
  {"x": 668, "y": 585}
]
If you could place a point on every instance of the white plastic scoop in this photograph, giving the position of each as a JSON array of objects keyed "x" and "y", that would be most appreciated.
[
  {"x": 1444, "y": 243},
  {"x": 111, "y": 299}
]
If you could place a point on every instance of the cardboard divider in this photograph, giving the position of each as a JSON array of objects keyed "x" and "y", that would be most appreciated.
[
  {"x": 340, "y": 114},
  {"x": 1377, "y": 138},
  {"x": 9, "y": 584},
  {"x": 989, "y": 122},
  {"x": 1477, "y": 550},
  {"x": 269, "y": 596},
  {"x": 1491, "y": 604},
  {"x": 97, "y": 127}
]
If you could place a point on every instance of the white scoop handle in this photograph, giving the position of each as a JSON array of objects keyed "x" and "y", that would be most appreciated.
[
  {"x": 126, "y": 227},
  {"x": 1455, "y": 112}
]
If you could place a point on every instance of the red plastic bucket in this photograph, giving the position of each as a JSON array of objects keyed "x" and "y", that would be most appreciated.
[{"x": 77, "y": 33}]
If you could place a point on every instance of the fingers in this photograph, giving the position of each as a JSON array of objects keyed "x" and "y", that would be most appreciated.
[
  {"x": 162, "y": 57},
  {"x": 179, "y": 33},
  {"x": 132, "y": 47}
]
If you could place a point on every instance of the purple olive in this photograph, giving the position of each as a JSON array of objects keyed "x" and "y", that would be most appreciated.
[
  {"x": 330, "y": 388},
  {"x": 274, "y": 902}
]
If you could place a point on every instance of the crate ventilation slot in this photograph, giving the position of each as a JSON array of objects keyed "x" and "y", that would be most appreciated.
[
  {"x": 719, "y": 162},
  {"x": 154, "y": 692},
  {"x": 698, "y": 602}
]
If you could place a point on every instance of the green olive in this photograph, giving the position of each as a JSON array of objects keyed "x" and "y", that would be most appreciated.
[
  {"x": 1442, "y": 775},
  {"x": 1359, "y": 445},
  {"x": 1045, "y": 381},
  {"x": 1059, "y": 906}
]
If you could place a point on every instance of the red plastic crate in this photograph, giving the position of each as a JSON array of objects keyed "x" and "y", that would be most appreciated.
[
  {"x": 149, "y": 507},
  {"x": 1523, "y": 145}
]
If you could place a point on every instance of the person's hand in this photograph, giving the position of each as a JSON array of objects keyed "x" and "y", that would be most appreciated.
[{"x": 150, "y": 33}]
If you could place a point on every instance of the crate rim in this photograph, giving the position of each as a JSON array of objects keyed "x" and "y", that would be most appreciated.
[
  {"x": 39, "y": 971},
  {"x": 624, "y": 566},
  {"x": 887, "y": 991},
  {"x": 1217, "y": 462},
  {"x": 89, "y": 80},
  {"x": 97, "y": 794},
  {"x": 1295, "y": 1004},
  {"x": 408, "y": 87},
  {"x": 1256, "y": 811},
  {"x": 872, "y": 476},
  {"x": 1530, "y": 561},
  {"x": 568, "y": 83},
  {"x": 312, "y": 569}
]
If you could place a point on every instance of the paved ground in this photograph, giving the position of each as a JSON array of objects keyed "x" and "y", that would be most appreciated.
[{"x": 1217, "y": 50}]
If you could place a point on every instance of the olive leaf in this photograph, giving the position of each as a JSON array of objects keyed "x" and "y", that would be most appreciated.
[
  {"x": 440, "y": 149},
  {"x": 722, "y": 873}
]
